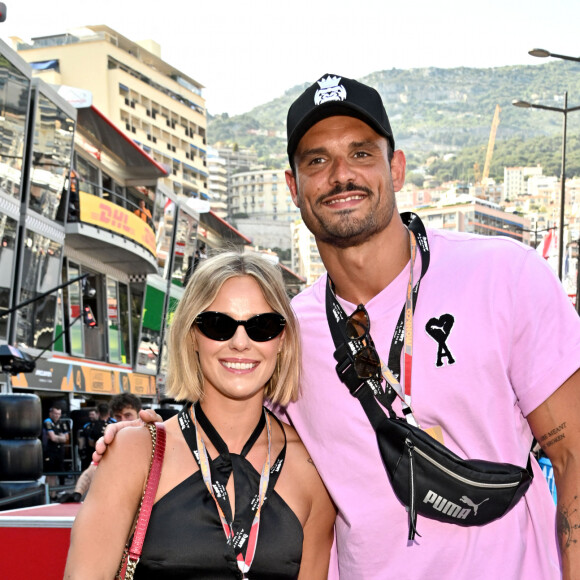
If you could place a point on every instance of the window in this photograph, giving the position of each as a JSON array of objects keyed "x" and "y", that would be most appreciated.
[
  {"x": 41, "y": 272},
  {"x": 7, "y": 245},
  {"x": 51, "y": 159},
  {"x": 118, "y": 350},
  {"x": 88, "y": 175}
]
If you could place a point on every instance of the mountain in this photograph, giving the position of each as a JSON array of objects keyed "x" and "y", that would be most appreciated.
[{"x": 436, "y": 112}]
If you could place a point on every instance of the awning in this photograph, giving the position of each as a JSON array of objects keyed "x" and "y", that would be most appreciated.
[
  {"x": 293, "y": 282},
  {"x": 226, "y": 231},
  {"x": 102, "y": 130},
  {"x": 44, "y": 64},
  {"x": 290, "y": 275}
]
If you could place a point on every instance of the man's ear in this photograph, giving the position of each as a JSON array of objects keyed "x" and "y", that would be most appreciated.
[
  {"x": 292, "y": 186},
  {"x": 398, "y": 166}
]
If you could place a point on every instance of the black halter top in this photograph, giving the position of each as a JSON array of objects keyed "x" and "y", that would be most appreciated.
[{"x": 185, "y": 539}]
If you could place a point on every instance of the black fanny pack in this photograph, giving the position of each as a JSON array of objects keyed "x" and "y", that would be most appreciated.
[{"x": 431, "y": 480}]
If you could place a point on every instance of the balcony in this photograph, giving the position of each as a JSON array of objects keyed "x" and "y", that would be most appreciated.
[
  {"x": 102, "y": 218},
  {"x": 112, "y": 234}
]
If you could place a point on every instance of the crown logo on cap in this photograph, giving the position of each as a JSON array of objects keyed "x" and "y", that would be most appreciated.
[
  {"x": 329, "y": 82},
  {"x": 330, "y": 90}
]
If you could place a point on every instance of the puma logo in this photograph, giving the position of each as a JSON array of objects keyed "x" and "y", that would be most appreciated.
[
  {"x": 446, "y": 506},
  {"x": 475, "y": 506},
  {"x": 439, "y": 329}
]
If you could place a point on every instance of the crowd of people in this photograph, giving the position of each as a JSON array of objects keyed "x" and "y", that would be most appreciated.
[
  {"x": 472, "y": 338},
  {"x": 59, "y": 442}
]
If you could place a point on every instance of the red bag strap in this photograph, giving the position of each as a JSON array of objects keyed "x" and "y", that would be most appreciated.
[{"x": 150, "y": 490}]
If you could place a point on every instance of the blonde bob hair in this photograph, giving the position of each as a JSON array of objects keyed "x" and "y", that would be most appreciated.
[{"x": 185, "y": 380}]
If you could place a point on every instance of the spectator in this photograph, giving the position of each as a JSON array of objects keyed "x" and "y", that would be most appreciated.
[
  {"x": 143, "y": 212},
  {"x": 125, "y": 407},
  {"x": 55, "y": 436},
  {"x": 86, "y": 444},
  {"x": 101, "y": 423}
]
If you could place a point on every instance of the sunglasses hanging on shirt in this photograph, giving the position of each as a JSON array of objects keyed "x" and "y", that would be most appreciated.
[{"x": 367, "y": 362}]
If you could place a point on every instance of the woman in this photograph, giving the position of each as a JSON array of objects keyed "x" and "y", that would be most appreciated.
[{"x": 233, "y": 343}]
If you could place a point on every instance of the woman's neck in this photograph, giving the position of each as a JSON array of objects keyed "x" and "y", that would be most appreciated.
[{"x": 233, "y": 420}]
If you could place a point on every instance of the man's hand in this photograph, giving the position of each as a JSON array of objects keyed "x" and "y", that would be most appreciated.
[{"x": 145, "y": 416}]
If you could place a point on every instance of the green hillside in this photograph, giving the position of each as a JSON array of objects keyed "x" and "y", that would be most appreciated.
[{"x": 440, "y": 111}]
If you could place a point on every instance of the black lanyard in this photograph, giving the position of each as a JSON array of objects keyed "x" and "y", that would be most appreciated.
[
  {"x": 346, "y": 348},
  {"x": 245, "y": 510}
]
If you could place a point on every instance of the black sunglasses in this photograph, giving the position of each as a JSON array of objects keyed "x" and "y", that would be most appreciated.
[
  {"x": 367, "y": 363},
  {"x": 259, "y": 328}
]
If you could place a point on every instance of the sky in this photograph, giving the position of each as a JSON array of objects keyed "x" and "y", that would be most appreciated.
[{"x": 247, "y": 53}]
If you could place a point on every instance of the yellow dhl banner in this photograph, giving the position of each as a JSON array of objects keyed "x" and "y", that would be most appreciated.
[{"x": 110, "y": 216}]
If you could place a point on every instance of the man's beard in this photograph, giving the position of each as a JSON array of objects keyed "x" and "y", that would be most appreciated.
[{"x": 345, "y": 231}]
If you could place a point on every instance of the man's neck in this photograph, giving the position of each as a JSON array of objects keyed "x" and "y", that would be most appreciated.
[{"x": 361, "y": 272}]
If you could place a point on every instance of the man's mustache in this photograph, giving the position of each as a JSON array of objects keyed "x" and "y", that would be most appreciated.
[{"x": 340, "y": 188}]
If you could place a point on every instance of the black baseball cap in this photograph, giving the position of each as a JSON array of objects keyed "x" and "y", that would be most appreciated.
[{"x": 333, "y": 95}]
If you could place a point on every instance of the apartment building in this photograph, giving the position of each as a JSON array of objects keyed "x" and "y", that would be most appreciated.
[
  {"x": 157, "y": 106},
  {"x": 236, "y": 160},
  {"x": 515, "y": 180},
  {"x": 306, "y": 260},
  {"x": 465, "y": 213},
  {"x": 217, "y": 182},
  {"x": 262, "y": 193}
]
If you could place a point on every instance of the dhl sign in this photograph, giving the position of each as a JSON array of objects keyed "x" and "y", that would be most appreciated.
[{"x": 110, "y": 216}]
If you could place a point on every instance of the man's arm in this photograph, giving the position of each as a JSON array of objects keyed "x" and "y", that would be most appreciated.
[
  {"x": 62, "y": 438},
  {"x": 556, "y": 426},
  {"x": 146, "y": 416},
  {"x": 85, "y": 479}
]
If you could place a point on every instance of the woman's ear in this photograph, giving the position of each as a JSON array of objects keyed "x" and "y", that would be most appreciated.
[
  {"x": 193, "y": 338},
  {"x": 281, "y": 343}
]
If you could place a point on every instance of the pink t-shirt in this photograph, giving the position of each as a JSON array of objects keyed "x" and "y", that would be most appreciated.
[{"x": 510, "y": 339}]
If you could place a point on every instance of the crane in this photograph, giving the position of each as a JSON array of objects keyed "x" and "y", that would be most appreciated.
[{"x": 490, "y": 145}]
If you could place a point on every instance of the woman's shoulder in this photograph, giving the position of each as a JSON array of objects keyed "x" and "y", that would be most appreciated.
[
  {"x": 298, "y": 459},
  {"x": 294, "y": 444},
  {"x": 131, "y": 445}
]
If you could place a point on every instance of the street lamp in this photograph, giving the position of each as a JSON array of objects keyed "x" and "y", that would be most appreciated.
[
  {"x": 565, "y": 110},
  {"x": 542, "y": 53}
]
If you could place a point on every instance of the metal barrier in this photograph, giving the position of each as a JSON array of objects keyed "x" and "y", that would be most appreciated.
[{"x": 24, "y": 495}]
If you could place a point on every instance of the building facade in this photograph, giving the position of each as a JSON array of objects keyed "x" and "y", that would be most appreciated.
[
  {"x": 218, "y": 182},
  {"x": 156, "y": 105},
  {"x": 88, "y": 281},
  {"x": 468, "y": 214},
  {"x": 306, "y": 260},
  {"x": 236, "y": 160},
  {"x": 262, "y": 193}
]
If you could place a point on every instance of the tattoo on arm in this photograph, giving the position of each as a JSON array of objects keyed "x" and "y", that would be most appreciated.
[
  {"x": 553, "y": 436},
  {"x": 567, "y": 530}
]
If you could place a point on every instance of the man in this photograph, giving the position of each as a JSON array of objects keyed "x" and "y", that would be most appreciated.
[
  {"x": 125, "y": 407},
  {"x": 98, "y": 427},
  {"x": 86, "y": 445},
  {"x": 495, "y": 351},
  {"x": 55, "y": 435},
  {"x": 143, "y": 212}
]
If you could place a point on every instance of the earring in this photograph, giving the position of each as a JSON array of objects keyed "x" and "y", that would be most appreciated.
[{"x": 278, "y": 365}]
